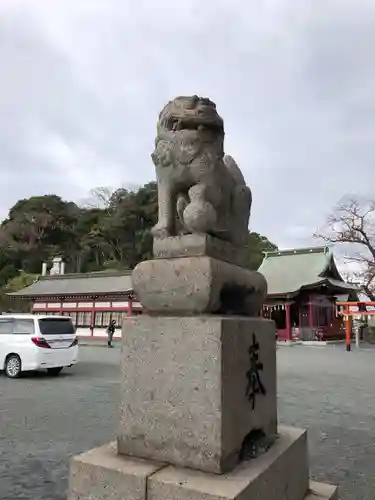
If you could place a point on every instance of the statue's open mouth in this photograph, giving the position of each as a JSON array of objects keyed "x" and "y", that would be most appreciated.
[{"x": 191, "y": 123}]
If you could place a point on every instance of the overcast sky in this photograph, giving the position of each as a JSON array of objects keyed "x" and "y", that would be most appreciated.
[{"x": 82, "y": 82}]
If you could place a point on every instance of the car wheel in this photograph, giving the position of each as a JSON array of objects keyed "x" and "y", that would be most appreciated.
[
  {"x": 54, "y": 371},
  {"x": 13, "y": 366}
]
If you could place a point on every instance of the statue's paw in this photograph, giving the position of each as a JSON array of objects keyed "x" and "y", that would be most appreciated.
[
  {"x": 160, "y": 231},
  {"x": 200, "y": 217}
]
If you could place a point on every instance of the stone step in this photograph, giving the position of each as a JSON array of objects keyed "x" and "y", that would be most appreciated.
[
  {"x": 102, "y": 474},
  {"x": 322, "y": 491},
  {"x": 281, "y": 472}
]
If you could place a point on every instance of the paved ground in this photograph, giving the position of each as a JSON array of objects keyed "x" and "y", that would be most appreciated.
[{"x": 44, "y": 421}]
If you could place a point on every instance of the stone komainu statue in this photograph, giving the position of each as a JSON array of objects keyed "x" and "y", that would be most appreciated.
[{"x": 200, "y": 190}]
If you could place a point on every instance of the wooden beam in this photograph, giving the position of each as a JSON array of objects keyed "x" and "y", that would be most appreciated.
[
  {"x": 356, "y": 304},
  {"x": 288, "y": 322}
]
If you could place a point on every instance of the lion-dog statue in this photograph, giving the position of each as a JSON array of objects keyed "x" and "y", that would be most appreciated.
[{"x": 200, "y": 189}]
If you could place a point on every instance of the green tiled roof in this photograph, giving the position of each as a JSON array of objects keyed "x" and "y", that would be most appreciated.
[
  {"x": 105, "y": 282},
  {"x": 289, "y": 271}
]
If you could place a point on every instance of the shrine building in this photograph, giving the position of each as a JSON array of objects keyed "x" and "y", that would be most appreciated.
[
  {"x": 303, "y": 287},
  {"x": 91, "y": 299}
]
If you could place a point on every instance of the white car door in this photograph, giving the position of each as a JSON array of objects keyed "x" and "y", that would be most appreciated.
[
  {"x": 23, "y": 331},
  {"x": 6, "y": 338}
]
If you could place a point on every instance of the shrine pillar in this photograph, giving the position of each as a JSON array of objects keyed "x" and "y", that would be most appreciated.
[
  {"x": 130, "y": 306},
  {"x": 311, "y": 314},
  {"x": 288, "y": 322},
  {"x": 348, "y": 328}
]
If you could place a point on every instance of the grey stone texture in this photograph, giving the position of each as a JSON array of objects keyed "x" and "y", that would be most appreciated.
[
  {"x": 196, "y": 245},
  {"x": 183, "y": 388},
  {"x": 102, "y": 474},
  {"x": 280, "y": 474},
  {"x": 199, "y": 189},
  {"x": 322, "y": 491},
  {"x": 198, "y": 285}
]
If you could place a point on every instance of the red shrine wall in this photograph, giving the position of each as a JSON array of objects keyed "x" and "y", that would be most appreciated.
[
  {"x": 310, "y": 318},
  {"x": 91, "y": 317}
]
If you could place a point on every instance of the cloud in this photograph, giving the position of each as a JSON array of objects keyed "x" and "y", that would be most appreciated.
[{"x": 83, "y": 82}]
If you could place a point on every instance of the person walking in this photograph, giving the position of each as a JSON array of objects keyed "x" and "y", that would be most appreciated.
[{"x": 111, "y": 328}]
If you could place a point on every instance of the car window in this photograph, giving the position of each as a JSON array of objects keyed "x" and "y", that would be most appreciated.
[
  {"x": 6, "y": 326},
  {"x": 56, "y": 326},
  {"x": 23, "y": 326}
]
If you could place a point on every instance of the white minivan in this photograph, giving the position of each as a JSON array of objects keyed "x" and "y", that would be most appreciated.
[{"x": 32, "y": 342}]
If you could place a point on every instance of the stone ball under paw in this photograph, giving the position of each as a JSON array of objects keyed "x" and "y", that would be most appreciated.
[{"x": 200, "y": 217}]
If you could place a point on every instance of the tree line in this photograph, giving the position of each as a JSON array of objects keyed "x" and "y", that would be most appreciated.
[{"x": 110, "y": 231}]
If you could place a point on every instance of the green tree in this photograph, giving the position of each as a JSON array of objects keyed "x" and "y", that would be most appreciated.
[
  {"x": 125, "y": 225},
  {"x": 14, "y": 284},
  {"x": 21, "y": 281},
  {"x": 119, "y": 234},
  {"x": 37, "y": 228},
  {"x": 7, "y": 271},
  {"x": 112, "y": 232}
]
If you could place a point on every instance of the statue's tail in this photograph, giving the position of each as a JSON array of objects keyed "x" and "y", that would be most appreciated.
[
  {"x": 234, "y": 170},
  {"x": 242, "y": 200}
]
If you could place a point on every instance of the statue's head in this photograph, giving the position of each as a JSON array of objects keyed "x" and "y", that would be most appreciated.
[
  {"x": 186, "y": 127},
  {"x": 191, "y": 113}
]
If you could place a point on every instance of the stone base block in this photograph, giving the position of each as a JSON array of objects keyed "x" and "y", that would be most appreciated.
[
  {"x": 279, "y": 474},
  {"x": 282, "y": 473},
  {"x": 102, "y": 474},
  {"x": 193, "y": 388},
  {"x": 197, "y": 245},
  {"x": 322, "y": 491},
  {"x": 198, "y": 285}
]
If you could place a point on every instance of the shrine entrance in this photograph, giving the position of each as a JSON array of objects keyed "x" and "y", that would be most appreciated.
[{"x": 307, "y": 317}]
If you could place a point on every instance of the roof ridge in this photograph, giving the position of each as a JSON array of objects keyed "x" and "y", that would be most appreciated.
[
  {"x": 324, "y": 249},
  {"x": 92, "y": 274}
]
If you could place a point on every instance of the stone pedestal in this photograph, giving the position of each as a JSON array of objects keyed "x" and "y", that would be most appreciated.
[
  {"x": 186, "y": 389},
  {"x": 198, "y": 414},
  {"x": 103, "y": 474},
  {"x": 186, "y": 415},
  {"x": 201, "y": 245},
  {"x": 198, "y": 285},
  {"x": 279, "y": 474}
]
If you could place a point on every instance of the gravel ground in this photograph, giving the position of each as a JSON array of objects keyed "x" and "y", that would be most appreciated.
[{"x": 44, "y": 421}]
